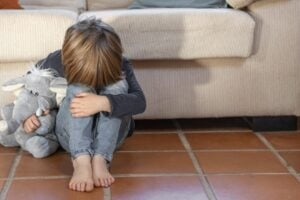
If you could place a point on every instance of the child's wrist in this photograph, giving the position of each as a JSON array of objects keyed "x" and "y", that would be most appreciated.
[{"x": 104, "y": 104}]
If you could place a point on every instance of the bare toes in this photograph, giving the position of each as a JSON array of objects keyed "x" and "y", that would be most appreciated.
[
  {"x": 102, "y": 182},
  {"x": 112, "y": 179},
  {"x": 72, "y": 186},
  {"x": 108, "y": 181},
  {"x": 105, "y": 182},
  {"x": 82, "y": 187},
  {"x": 78, "y": 187},
  {"x": 97, "y": 182},
  {"x": 89, "y": 187}
]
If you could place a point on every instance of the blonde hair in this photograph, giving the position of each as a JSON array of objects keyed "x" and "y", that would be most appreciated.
[{"x": 92, "y": 54}]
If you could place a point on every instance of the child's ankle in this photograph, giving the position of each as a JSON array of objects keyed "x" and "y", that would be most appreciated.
[
  {"x": 82, "y": 159},
  {"x": 99, "y": 156}
]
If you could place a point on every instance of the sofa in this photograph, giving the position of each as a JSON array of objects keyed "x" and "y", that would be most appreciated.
[{"x": 191, "y": 63}]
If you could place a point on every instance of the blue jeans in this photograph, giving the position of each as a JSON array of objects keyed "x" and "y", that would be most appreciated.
[{"x": 92, "y": 135}]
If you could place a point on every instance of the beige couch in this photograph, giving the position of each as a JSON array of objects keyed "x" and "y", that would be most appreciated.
[{"x": 190, "y": 62}]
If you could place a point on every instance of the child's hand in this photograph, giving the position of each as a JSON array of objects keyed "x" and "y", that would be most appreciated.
[
  {"x": 87, "y": 104},
  {"x": 31, "y": 124}
]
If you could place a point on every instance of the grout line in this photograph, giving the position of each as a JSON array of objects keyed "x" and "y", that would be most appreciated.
[
  {"x": 249, "y": 174},
  {"x": 193, "y": 131},
  {"x": 290, "y": 169},
  {"x": 287, "y": 150},
  {"x": 232, "y": 150},
  {"x": 218, "y": 131},
  {"x": 149, "y": 175},
  {"x": 206, "y": 185},
  {"x": 280, "y": 132},
  {"x": 41, "y": 177},
  {"x": 195, "y": 150},
  {"x": 154, "y": 175},
  {"x": 11, "y": 175},
  {"x": 155, "y": 133},
  {"x": 150, "y": 151},
  {"x": 106, "y": 193},
  {"x": 196, "y": 174}
]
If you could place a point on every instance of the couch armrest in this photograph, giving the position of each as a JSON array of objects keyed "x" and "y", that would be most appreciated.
[{"x": 236, "y": 4}]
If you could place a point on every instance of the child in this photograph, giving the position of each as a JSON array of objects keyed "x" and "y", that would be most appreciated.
[{"x": 102, "y": 95}]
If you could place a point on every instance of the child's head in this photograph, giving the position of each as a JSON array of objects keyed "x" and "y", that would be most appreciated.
[{"x": 92, "y": 54}]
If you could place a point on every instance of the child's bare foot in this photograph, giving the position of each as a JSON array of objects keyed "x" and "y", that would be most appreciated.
[
  {"x": 82, "y": 179},
  {"x": 101, "y": 175}
]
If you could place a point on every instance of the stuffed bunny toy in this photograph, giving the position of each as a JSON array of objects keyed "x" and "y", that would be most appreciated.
[{"x": 33, "y": 96}]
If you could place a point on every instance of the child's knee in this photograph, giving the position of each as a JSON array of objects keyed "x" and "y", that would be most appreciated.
[
  {"x": 120, "y": 87},
  {"x": 75, "y": 89}
]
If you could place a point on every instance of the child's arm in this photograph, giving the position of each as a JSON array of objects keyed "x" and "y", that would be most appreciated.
[
  {"x": 128, "y": 104},
  {"x": 120, "y": 105},
  {"x": 86, "y": 104}
]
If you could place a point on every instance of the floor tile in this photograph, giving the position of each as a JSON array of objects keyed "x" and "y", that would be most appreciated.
[
  {"x": 48, "y": 190},
  {"x": 156, "y": 188},
  {"x": 261, "y": 187},
  {"x": 8, "y": 149},
  {"x": 152, "y": 142},
  {"x": 55, "y": 165},
  {"x": 213, "y": 124},
  {"x": 239, "y": 162},
  {"x": 6, "y": 162},
  {"x": 154, "y": 126},
  {"x": 162, "y": 162},
  {"x": 238, "y": 140},
  {"x": 292, "y": 158},
  {"x": 284, "y": 140}
]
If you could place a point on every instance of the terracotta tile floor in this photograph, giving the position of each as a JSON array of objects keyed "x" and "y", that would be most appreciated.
[{"x": 217, "y": 159}]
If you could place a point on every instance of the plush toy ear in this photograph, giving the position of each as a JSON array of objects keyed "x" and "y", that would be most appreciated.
[
  {"x": 59, "y": 86},
  {"x": 14, "y": 85}
]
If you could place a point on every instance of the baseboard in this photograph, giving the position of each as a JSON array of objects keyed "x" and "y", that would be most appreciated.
[{"x": 270, "y": 123}]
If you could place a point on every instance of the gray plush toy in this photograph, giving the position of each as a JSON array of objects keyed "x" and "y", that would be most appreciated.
[{"x": 33, "y": 96}]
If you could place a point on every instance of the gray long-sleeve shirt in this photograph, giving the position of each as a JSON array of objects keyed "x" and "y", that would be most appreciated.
[{"x": 122, "y": 104}]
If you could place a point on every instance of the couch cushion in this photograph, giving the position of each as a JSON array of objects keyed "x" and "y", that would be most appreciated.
[
  {"x": 107, "y": 4},
  {"x": 140, "y": 4},
  {"x": 7, "y": 72},
  {"x": 239, "y": 3},
  {"x": 77, "y": 5},
  {"x": 181, "y": 33},
  {"x": 32, "y": 34}
]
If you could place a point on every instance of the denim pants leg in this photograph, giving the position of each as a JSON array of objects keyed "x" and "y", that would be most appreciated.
[
  {"x": 75, "y": 134},
  {"x": 111, "y": 131}
]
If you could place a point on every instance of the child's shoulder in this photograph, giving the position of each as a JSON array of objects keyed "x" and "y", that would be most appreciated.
[
  {"x": 55, "y": 54},
  {"x": 53, "y": 61},
  {"x": 54, "y": 57}
]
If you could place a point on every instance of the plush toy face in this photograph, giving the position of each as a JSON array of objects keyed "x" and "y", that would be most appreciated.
[
  {"x": 38, "y": 84},
  {"x": 33, "y": 93},
  {"x": 25, "y": 105}
]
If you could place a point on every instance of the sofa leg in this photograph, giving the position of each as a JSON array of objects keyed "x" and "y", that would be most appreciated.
[{"x": 281, "y": 123}]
